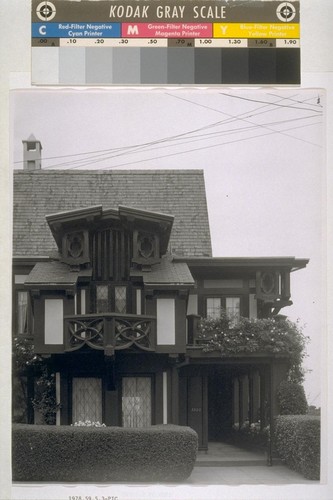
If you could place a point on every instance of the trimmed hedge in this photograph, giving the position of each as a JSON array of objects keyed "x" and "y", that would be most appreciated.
[
  {"x": 292, "y": 399},
  {"x": 297, "y": 441},
  {"x": 160, "y": 453}
]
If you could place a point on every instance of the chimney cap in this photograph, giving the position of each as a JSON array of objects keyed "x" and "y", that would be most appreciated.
[{"x": 32, "y": 138}]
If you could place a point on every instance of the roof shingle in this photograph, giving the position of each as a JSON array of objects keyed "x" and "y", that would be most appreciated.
[
  {"x": 167, "y": 272},
  {"x": 180, "y": 193}
]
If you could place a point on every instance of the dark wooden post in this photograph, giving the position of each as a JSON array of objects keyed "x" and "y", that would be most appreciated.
[
  {"x": 175, "y": 396},
  {"x": 109, "y": 326},
  {"x": 192, "y": 328}
]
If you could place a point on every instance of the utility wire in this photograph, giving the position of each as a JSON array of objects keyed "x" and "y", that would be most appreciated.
[
  {"x": 195, "y": 138},
  {"x": 196, "y": 149},
  {"x": 265, "y": 102},
  {"x": 135, "y": 148},
  {"x": 263, "y": 126},
  {"x": 104, "y": 154}
]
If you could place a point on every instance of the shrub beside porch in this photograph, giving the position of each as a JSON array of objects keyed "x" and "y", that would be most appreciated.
[{"x": 161, "y": 453}]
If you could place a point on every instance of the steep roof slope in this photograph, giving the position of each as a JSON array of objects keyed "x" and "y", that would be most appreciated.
[{"x": 180, "y": 193}]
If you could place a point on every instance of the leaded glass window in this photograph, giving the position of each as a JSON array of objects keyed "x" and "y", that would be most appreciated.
[
  {"x": 136, "y": 401},
  {"x": 102, "y": 298},
  {"x": 87, "y": 399},
  {"x": 232, "y": 305},
  {"x": 214, "y": 307},
  {"x": 120, "y": 299}
]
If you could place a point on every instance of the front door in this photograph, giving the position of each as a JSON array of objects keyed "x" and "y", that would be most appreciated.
[
  {"x": 136, "y": 401},
  {"x": 197, "y": 408},
  {"x": 87, "y": 399}
]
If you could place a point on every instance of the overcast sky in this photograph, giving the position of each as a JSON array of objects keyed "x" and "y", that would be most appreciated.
[{"x": 262, "y": 152}]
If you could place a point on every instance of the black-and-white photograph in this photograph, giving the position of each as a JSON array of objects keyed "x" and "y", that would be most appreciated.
[{"x": 168, "y": 298}]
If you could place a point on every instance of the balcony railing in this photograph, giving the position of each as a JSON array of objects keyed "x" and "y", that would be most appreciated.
[{"x": 110, "y": 332}]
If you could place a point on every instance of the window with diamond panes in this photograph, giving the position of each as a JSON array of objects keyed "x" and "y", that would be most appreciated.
[
  {"x": 102, "y": 298},
  {"x": 87, "y": 399},
  {"x": 120, "y": 299},
  {"x": 214, "y": 307},
  {"x": 136, "y": 401},
  {"x": 232, "y": 306}
]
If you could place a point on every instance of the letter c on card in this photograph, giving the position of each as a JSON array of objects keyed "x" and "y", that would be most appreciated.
[{"x": 42, "y": 30}]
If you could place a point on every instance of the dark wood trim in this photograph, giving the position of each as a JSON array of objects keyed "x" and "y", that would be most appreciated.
[
  {"x": 175, "y": 396},
  {"x": 65, "y": 399},
  {"x": 240, "y": 401},
  {"x": 205, "y": 412},
  {"x": 159, "y": 397}
]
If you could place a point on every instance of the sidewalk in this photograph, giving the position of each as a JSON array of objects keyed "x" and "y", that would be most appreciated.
[{"x": 225, "y": 464}]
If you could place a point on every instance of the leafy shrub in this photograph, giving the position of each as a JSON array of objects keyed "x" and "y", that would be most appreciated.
[
  {"x": 271, "y": 336},
  {"x": 45, "y": 401},
  {"x": 97, "y": 454},
  {"x": 292, "y": 399},
  {"x": 297, "y": 441},
  {"x": 250, "y": 435}
]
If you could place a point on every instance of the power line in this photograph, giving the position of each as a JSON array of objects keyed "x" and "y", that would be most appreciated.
[
  {"x": 195, "y": 138},
  {"x": 196, "y": 149},
  {"x": 299, "y": 102},
  {"x": 106, "y": 151},
  {"x": 263, "y": 126},
  {"x": 103, "y": 155},
  {"x": 265, "y": 102},
  {"x": 133, "y": 149}
]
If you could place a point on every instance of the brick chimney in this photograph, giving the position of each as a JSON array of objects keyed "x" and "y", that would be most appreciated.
[{"x": 32, "y": 154}]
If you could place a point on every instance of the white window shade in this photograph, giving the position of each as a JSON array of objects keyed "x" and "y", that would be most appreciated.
[
  {"x": 54, "y": 321},
  {"x": 166, "y": 331}
]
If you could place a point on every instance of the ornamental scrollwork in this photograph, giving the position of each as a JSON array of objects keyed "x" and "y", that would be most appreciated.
[
  {"x": 87, "y": 332},
  {"x": 133, "y": 333}
]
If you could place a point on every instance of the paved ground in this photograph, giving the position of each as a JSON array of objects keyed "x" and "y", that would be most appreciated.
[
  {"x": 229, "y": 465},
  {"x": 223, "y": 466}
]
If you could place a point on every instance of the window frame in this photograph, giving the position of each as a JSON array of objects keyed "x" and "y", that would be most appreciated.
[
  {"x": 29, "y": 314},
  {"x": 89, "y": 374},
  {"x": 223, "y": 299},
  {"x": 151, "y": 376},
  {"x": 111, "y": 300}
]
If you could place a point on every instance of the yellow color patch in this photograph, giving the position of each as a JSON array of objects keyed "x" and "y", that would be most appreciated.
[{"x": 255, "y": 30}]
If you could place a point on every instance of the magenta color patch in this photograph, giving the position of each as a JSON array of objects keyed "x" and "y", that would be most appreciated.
[{"x": 166, "y": 30}]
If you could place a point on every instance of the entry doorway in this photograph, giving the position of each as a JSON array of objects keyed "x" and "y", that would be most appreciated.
[{"x": 219, "y": 406}]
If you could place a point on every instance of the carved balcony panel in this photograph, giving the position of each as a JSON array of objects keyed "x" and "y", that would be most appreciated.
[
  {"x": 133, "y": 333},
  {"x": 85, "y": 332},
  {"x": 110, "y": 332}
]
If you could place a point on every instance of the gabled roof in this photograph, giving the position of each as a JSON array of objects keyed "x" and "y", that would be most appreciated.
[
  {"x": 167, "y": 272},
  {"x": 180, "y": 193},
  {"x": 52, "y": 273}
]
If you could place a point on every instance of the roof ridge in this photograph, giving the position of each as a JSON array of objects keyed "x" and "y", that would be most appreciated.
[{"x": 106, "y": 171}]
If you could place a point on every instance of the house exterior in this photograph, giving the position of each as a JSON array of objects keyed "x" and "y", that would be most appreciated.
[{"x": 112, "y": 271}]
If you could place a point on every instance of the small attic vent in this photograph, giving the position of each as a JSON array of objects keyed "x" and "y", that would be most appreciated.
[{"x": 31, "y": 146}]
